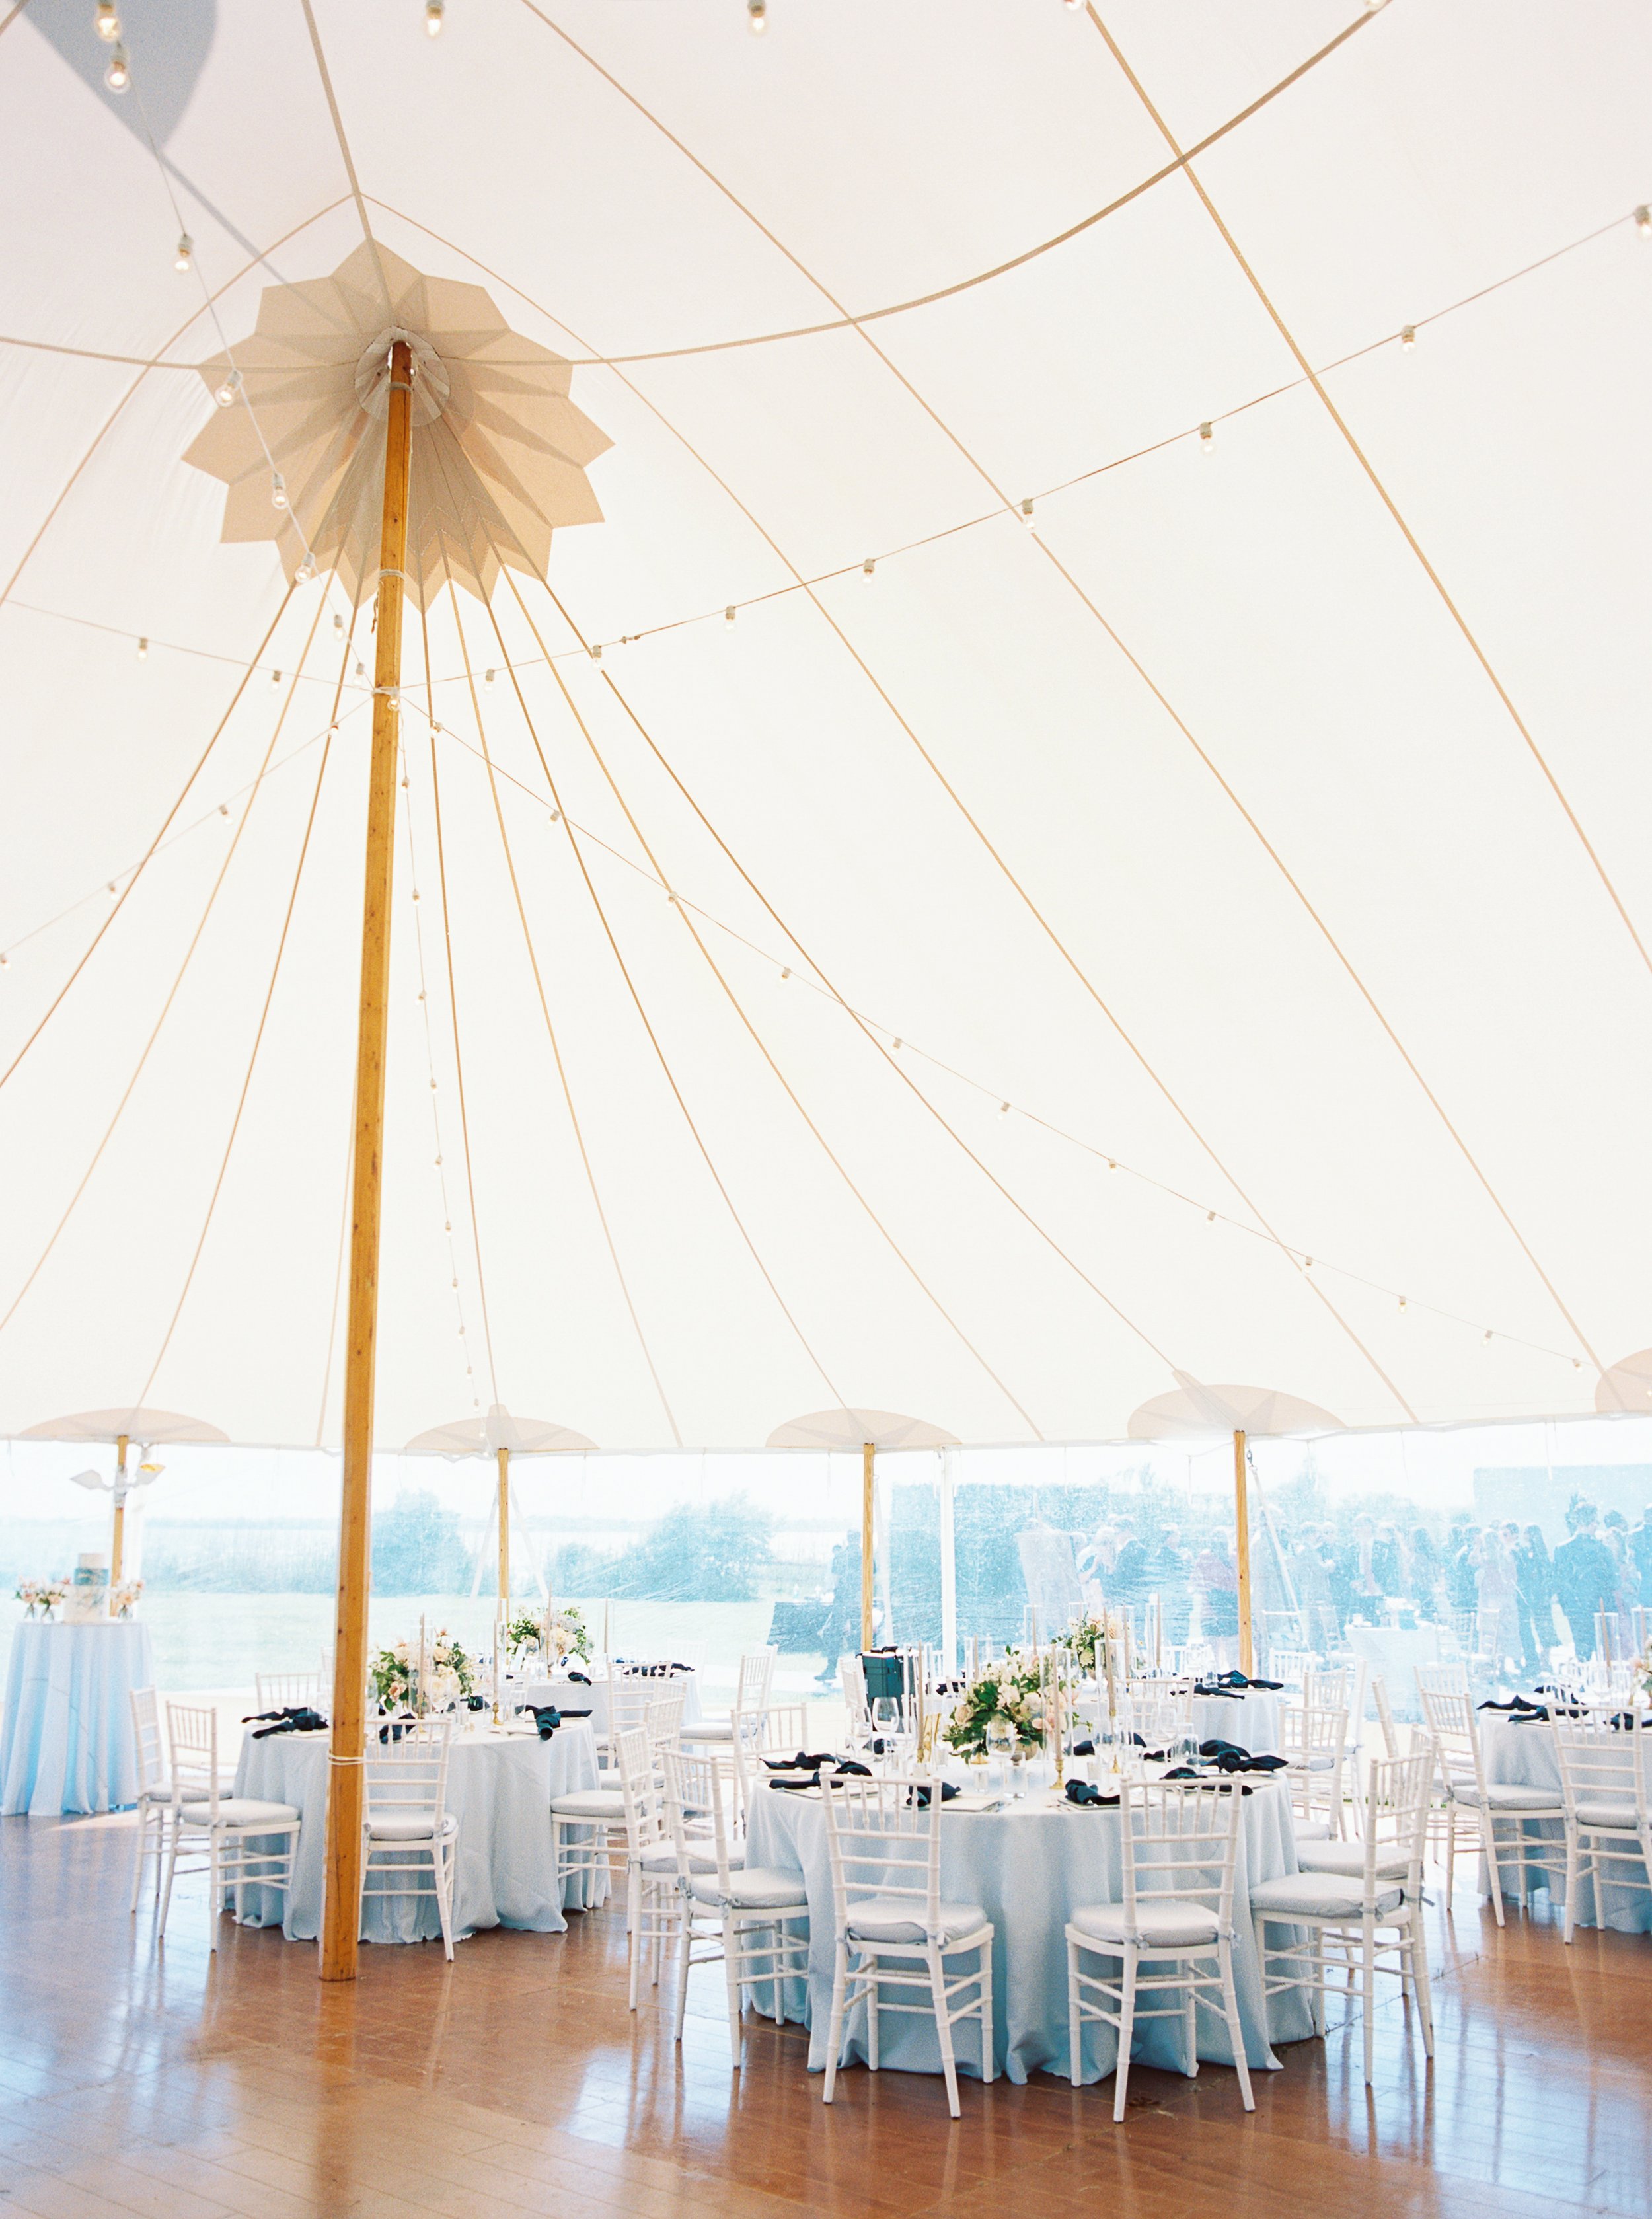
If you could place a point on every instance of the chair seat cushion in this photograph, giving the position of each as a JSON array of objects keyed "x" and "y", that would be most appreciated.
[
  {"x": 597, "y": 1804},
  {"x": 1502, "y": 1795},
  {"x": 410, "y": 1828},
  {"x": 1348, "y": 1858},
  {"x": 709, "y": 1730},
  {"x": 1313, "y": 1829},
  {"x": 890, "y": 1919},
  {"x": 239, "y": 1811},
  {"x": 1607, "y": 1811},
  {"x": 1318, "y": 1895},
  {"x": 161, "y": 1792},
  {"x": 1165, "y": 1922},
  {"x": 759, "y": 1888},
  {"x": 1296, "y": 1761}
]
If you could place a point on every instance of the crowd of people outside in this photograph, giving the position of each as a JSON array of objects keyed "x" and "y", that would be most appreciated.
[{"x": 1499, "y": 1585}]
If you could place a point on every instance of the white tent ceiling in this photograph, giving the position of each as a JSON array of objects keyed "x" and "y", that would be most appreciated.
[{"x": 1273, "y": 823}]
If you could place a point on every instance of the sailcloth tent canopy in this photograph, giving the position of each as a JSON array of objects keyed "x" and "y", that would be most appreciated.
[{"x": 1071, "y": 813}]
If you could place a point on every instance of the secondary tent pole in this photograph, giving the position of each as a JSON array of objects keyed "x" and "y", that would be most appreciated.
[
  {"x": 1242, "y": 1552},
  {"x": 503, "y": 1456},
  {"x": 341, "y": 1926},
  {"x": 868, "y": 1454},
  {"x": 117, "y": 1545}
]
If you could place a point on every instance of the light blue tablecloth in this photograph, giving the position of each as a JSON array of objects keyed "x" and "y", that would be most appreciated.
[
  {"x": 1030, "y": 1869},
  {"x": 1249, "y": 1719},
  {"x": 66, "y": 1746},
  {"x": 499, "y": 1788},
  {"x": 1524, "y": 1757}
]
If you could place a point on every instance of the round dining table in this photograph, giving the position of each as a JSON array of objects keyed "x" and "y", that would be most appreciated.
[
  {"x": 575, "y": 1695},
  {"x": 500, "y": 1784},
  {"x": 1030, "y": 1865},
  {"x": 1524, "y": 1756},
  {"x": 65, "y": 1741}
]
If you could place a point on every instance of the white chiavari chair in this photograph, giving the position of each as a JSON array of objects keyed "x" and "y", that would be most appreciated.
[
  {"x": 754, "y": 1922},
  {"x": 1606, "y": 1791},
  {"x": 893, "y": 1932},
  {"x": 1171, "y": 1932},
  {"x": 1357, "y": 1907},
  {"x": 1313, "y": 1743},
  {"x": 410, "y": 1838},
  {"x": 218, "y": 1833},
  {"x": 1493, "y": 1814},
  {"x": 276, "y": 1690}
]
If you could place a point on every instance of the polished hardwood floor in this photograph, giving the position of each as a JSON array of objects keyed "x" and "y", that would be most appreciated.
[{"x": 515, "y": 2081}]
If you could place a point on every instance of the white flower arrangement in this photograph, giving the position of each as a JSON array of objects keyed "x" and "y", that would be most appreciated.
[
  {"x": 124, "y": 1597},
  {"x": 41, "y": 1597}
]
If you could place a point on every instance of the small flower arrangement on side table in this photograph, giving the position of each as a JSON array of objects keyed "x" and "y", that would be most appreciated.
[{"x": 40, "y": 1598}]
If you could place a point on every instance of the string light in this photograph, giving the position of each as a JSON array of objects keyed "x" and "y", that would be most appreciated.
[
  {"x": 118, "y": 75},
  {"x": 1003, "y": 1109},
  {"x": 556, "y": 816},
  {"x": 415, "y": 896},
  {"x": 225, "y": 395},
  {"x": 1644, "y": 221},
  {"x": 434, "y": 10},
  {"x": 1027, "y": 512},
  {"x": 596, "y": 651},
  {"x": 185, "y": 253},
  {"x": 1403, "y": 1304},
  {"x": 223, "y": 809},
  {"x": 5, "y": 962},
  {"x": 729, "y": 615},
  {"x": 1486, "y": 1337},
  {"x": 111, "y": 889},
  {"x": 275, "y": 680},
  {"x": 277, "y": 490},
  {"x": 1206, "y": 436},
  {"x": 143, "y": 651},
  {"x": 488, "y": 678},
  {"x": 1210, "y": 1217},
  {"x": 307, "y": 568},
  {"x": 1408, "y": 337},
  {"x": 108, "y": 21},
  {"x": 338, "y": 625},
  {"x": 438, "y": 1163},
  {"x": 361, "y": 668},
  {"x": 785, "y": 977},
  {"x": 868, "y": 571},
  {"x": 757, "y": 17}
]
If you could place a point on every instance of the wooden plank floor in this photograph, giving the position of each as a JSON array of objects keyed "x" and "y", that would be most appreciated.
[{"x": 516, "y": 2081}]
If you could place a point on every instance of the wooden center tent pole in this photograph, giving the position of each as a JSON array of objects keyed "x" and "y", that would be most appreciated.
[
  {"x": 868, "y": 1484},
  {"x": 1242, "y": 1552},
  {"x": 341, "y": 1925}
]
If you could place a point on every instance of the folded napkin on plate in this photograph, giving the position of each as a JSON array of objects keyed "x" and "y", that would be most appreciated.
[
  {"x": 1237, "y": 1682},
  {"x": 1226, "y": 1757},
  {"x": 801, "y": 1762},
  {"x": 547, "y": 1718},
  {"x": 584, "y": 1678},
  {"x": 1222, "y": 1785},
  {"x": 296, "y": 1718},
  {"x": 1514, "y": 1703},
  {"x": 1081, "y": 1792},
  {"x": 921, "y": 1793}
]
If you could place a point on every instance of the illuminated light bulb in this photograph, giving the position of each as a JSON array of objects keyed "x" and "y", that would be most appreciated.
[
  {"x": 433, "y": 13},
  {"x": 596, "y": 651},
  {"x": 143, "y": 651},
  {"x": 415, "y": 893},
  {"x": 1644, "y": 221},
  {"x": 897, "y": 1041},
  {"x": 275, "y": 680},
  {"x": 462, "y": 1332},
  {"x": 1072, "y": 6},
  {"x": 1577, "y": 1361},
  {"x": 1111, "y": 1165},
  {"x": 1486, "y": 1337},
  {"x": 438, "y": 1163},
  {"x": 1210, "y": 1217},
  {"x": 421, "y": 993},
  {"x": 277, "y": 490},
  {"x": 361, "y": 668},
  {"x": 225, "y": 395},
  {"x": 1027, "y": 513},
  {"x": 785, "y": 975},
  {"x": 1403, "y": 1304},
  {"x": 307, "y": 568},
  {"x": 433, "y": 1089},
  {"x": 757, "y": 17},
  {"x": 111, "y": 889},
  {"x": 185, "y": 253},
  {"x": 729, "y": 615},
  {"x": 118, "y": 75},
  {"x": 1307, "y": 1263},
  {"x": 556, "y": 816},
  {"x": 868, "y": 571},
  {"x": 338, "y": 625},
  {"x": 1408, "y": 336},
  {"x": 488, "y": 678},
  {"x": 456, "y": 1283},
  {"x": 108, "y": 21},
  {"x": 223, "y": 809},
  {"x": 1003, "y": 1109},
  {"x": 1205, "y": 437}
]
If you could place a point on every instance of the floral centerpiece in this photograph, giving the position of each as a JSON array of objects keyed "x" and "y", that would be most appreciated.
[
  {"x": 40, "y": 1598},
  {"x": 450, "y": 1674},
  {"x": 1087, "y": 1638},
  {"x": 1012, "y": 1690},
  {"x": 570, "y": 1635},
  {"x": 124, "y": 1596}
]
